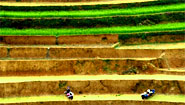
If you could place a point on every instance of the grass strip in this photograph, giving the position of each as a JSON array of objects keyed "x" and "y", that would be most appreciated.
[
  {"x": 134, "y": 97},
  {"x": 22, "y": 23},
  {"x": 94, "y": 13},
  {"x": 93, "y": 31}
]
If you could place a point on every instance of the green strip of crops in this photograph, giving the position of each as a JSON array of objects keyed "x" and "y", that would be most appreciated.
[
  {"x": 94, "y": 13},
  {"x": 91, "y": 31}
]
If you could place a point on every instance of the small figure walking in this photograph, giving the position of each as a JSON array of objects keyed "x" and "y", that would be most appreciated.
[
  {"x": 68, "y": 90},
  {"x": 147, "y": 94},
  {"x": 69, "y": 94}
]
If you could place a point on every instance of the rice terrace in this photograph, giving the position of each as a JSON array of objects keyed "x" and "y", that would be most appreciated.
[{"x": 107, "y": 52}]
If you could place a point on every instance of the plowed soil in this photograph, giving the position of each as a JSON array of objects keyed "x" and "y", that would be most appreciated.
[
  {"x": 88, "y": 39},
  {"x": 52, "y": 40},
  {"x": 3, "y": 52},
  {"x": 28, "y": 40},
  {"x": 32, "y": 86},
  {"x": 153, "y": 39},
  {"x": 80, "y": 66},
  {"x": 28, "y": 52}
]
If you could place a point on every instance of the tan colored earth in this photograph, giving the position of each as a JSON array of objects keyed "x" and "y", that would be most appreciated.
[{"x": 83, "y": 2}]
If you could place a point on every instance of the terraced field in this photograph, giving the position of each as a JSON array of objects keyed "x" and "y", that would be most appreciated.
[{"x": 107, "y": 51}]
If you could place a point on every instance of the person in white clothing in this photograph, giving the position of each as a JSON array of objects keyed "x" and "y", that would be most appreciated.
[{"x": 70, "y": 95}]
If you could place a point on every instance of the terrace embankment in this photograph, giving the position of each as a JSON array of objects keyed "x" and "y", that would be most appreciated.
[
  {"x": 52, "y": 40},
  {"x": 175, "y": 57},
  {"x": 105, "y": 99},
  {"x": 84, "y": 66},
  {"x": 99, "y": 84},
  {"x": 173, "y": 53},
  {"x": 171, "y": 71}
]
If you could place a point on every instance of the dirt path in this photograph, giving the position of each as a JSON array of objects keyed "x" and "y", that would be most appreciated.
[
  {"x": 38, "y": 59},
  {"x": 180, "y": 45},
  {"x": 70, "y": 3},
  {"x": 176, "y": 71},
  {"x": 90, "y": 77},
  {"x": 134, "y": 97}
]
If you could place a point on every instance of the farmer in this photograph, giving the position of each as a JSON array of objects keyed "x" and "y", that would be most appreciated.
[
  {"x": 144, "y": 95},
  {"x": 68, "y": 93},
  {"x": 147, "y": 94},
  {"x": 150, "y": 92},
  {"x": 68, "y": 90}
]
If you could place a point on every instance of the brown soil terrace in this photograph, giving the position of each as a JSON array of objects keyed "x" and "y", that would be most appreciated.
[
  {"x": 86, "y": 39},
  {"x": 52, "y": 40},
  {"x": 112, "y": 84},
  {"x": 3, "y": 52},
  {"x": 66, "y": 2},
  {"x": 101, "y": 52},
  {"x": 154, "y": 39},
  {"x": 173, "y": 53},
  {"x": 172, "y": 50},
  {"x": 79, "y": 66}
]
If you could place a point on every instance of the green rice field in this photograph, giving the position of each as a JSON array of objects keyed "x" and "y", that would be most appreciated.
[
  {"x": 91, "y": 31},
  {"x": 94, "y": 13}
]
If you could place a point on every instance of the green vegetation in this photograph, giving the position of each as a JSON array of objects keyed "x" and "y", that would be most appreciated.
[
  {"x": 89, "y": 7},
  {"x": 107, "y": 61},
  {"x": 94, "y": 13},
  {"x": 93, "y": 22},
  {"x": 145, "y": 34},
  {"x": 92, "y": 31},
  {"x": 62, "y": 84},
  {"x": 132, "y": 70}
]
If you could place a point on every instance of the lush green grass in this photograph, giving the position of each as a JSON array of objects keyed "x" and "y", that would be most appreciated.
[
  {"x": 22, "y": 23},
  {"x": 90, "y": 31},
  {"x": 94, "y": 13}
]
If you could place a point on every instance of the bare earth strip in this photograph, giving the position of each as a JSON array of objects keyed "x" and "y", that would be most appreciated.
[
  {"x": 71, "y": 3},
  {"x": 90, "y": 77},
  {"x": 180, "y": 45},
  {"x": 173, "y": 71},
  {"x": 130, "y": 97}
]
